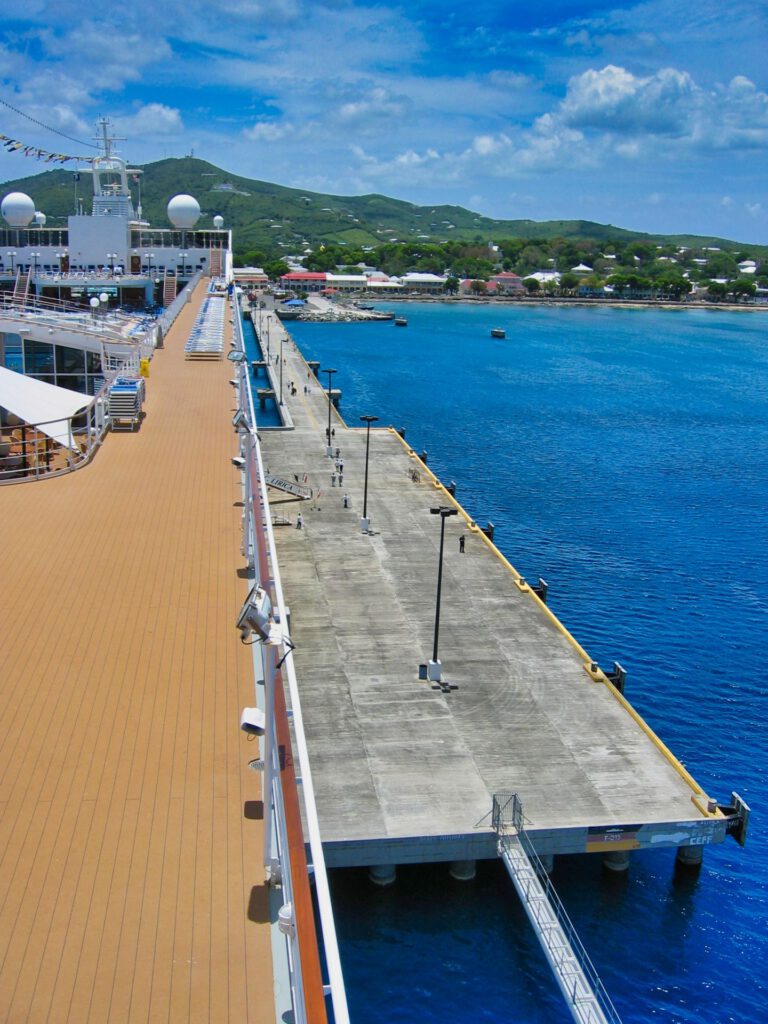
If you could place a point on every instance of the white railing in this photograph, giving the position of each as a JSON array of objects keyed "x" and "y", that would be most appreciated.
[
  {"x": 28, "y": 452},
  {"x": 168, "y": 316},
  {"x": 259, "y": 547}
]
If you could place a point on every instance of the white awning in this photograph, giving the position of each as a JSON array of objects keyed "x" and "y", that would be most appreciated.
[{"x": 41, "y": 405}]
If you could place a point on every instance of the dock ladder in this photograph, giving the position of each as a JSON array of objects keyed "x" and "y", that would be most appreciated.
[{"x": 575, "y": 974}]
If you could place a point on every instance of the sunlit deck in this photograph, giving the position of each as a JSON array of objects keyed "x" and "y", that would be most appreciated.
[{"x": 131, "y": 885}]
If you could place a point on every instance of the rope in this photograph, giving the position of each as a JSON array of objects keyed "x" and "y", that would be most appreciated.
[{"x": 46, "y": 126}]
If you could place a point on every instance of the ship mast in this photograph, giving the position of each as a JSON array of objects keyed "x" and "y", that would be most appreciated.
[{"x": 111, "y": 194}]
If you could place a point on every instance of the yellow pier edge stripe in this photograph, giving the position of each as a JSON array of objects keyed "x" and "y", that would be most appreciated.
[{"x": 699, "y": 798}]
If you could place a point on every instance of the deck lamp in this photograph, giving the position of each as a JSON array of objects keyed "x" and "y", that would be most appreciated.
[
  {"x": 434, "y": 667},
  {"x": 329, "y": 448},
  {"x": 368, "y": 420}
]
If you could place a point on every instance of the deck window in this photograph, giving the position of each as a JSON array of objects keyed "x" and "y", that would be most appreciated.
[
  {"x": 12, "y": 353},
  {"x": 38, "y": 357},
  {"x": 69, "y": 360}
]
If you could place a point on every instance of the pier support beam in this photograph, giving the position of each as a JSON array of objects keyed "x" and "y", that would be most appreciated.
[
  {"x": 463, "y": 870},
  {"x": 616, "y": 861},
  {"x": 690, "y": 857},
  {"x": 547, "y": 862},
  {"x": 382, "y": 874}
]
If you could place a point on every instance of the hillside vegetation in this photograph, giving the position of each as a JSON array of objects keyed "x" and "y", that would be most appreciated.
[{"x": 275, "y": 221}]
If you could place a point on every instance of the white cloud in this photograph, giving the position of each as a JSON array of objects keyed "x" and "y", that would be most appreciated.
[
  {"x": 377, "y": 102},
  {"x": 267, "y": 131},
  {"x": 753, "y": 209},
  {"x": 153, "y": 119},
  {"x": 613, "y": 99}
]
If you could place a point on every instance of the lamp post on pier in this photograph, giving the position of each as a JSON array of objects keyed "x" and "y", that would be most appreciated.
[
  {"x": 112, "y": 256},
  {"x": 329, "y": 448},
  {"x": 35, "y": 257},
  {"x": 434, "y": 668},
  {"x": 368, "y": 420},
  {"x": 12, "y": 257},
  {"x": 281, "y": 367}
]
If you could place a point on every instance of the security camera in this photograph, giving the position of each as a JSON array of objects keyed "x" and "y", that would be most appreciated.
[
  {"x": 253, "y": 722},
  {"x": 238, "y": 462},
  {"x": 234, "y": 382},
  {"x": 255, "y": 615}
]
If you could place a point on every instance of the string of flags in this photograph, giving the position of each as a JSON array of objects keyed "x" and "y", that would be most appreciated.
[{"x": 14, "y": 146}]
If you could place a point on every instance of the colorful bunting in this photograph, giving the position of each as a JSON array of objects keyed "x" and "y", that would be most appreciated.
[{"x": 13, "y": 146}]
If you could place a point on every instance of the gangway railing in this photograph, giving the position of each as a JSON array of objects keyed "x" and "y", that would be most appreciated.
[
  {"x": 575, "y": 974},
  {"x": 279, "y": 483},
  {"x": 284, "y": 741}
]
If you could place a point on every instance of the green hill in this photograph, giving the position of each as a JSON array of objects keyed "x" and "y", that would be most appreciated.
[{"x": 280, "y": 220}]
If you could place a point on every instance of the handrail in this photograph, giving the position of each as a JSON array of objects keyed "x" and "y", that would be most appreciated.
[
  {"x": 33, "y": 461},
  {"x": 167, "y": 317},
  {"x": 576, "y": 975},
  {"x": 260, "y": 542}
]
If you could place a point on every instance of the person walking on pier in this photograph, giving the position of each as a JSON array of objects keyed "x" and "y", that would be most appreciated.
[
  {"x": 346, "y": 501},
  {"x": 461, "y": 544},
  {"x": 333, "y": 479},
  {"x": 299, "y": 521}
]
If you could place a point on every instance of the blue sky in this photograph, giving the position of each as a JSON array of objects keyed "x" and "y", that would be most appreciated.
[{"x": 650, "y": 115}]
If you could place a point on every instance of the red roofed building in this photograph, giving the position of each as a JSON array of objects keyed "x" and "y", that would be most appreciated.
[
  {"x": 508, "y": 283},
  {"x": 304, "y": 280},
  {"x": 469, "y": 287}
]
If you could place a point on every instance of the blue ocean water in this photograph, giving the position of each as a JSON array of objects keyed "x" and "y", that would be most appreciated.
[
  {"x": 268, "y": 415},
  {"x": 622, "y": 454}
]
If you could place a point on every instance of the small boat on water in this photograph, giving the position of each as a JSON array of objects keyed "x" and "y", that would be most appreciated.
[
  {"x": 400, "y": 321},
  {"x": 498, "y": 332}
]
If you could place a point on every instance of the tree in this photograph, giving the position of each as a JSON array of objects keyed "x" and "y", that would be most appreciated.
[
  {"x": 531, "y": 285},
  {"x": 743, "y": 289},
  {"x": 478, "y": 287},
  {"x": 716, "y": 290},
  {"x": 451, "y": 285},
  {"x": 672, "y": 284},
  {"x": 568, "y": 282},
  {"x": 274, "y": 269}
]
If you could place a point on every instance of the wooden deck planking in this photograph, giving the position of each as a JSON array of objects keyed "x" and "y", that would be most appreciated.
[{"x": 127, "y": 867}]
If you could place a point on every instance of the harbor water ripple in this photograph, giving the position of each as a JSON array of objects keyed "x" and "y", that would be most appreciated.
[{"x": 622, "y": 454}]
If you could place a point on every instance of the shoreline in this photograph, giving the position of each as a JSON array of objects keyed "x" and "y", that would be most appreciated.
[
  {"x": 323, "y": 310},
  {"x": 497, "y": 300}
]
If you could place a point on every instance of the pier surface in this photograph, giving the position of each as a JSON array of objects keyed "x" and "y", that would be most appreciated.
[
  {"x": 405, "y": 771},
  {"x": 131, "y": 878}
]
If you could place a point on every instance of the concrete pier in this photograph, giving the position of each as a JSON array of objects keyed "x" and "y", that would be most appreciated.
[{"x": 405, "y": 767}]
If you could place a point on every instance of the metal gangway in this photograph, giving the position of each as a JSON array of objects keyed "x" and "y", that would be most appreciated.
[
  {"x": 575, "y": 974},
  {"x": 289, "y": 486}
]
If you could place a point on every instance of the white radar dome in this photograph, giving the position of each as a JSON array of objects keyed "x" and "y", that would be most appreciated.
[
  {"x": 218, "y": 221},
  {"x": 183, "y": 211},
  {"x": 40, "y": 218},
  {"x": 18, "y": 209}
]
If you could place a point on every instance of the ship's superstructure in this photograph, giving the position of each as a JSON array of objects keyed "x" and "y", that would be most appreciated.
[{"x": 110, "y": 250}]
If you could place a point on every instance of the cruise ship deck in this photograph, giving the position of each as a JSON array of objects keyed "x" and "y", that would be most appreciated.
[{"x": 131, "y": 878}]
